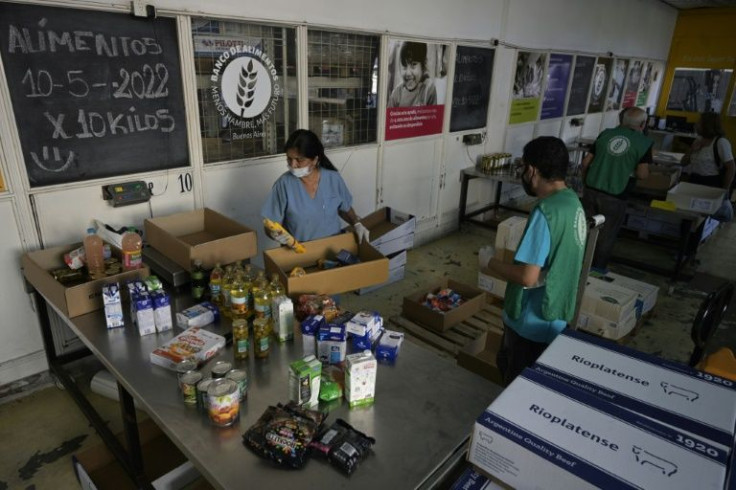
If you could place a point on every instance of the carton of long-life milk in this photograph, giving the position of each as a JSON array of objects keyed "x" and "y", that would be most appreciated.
[
  {"x": 669, "y": 392},
  {"x": 540, "y": 433}
]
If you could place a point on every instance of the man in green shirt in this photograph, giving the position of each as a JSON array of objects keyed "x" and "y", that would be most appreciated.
[
  {"x": 617, "y": 154},
  {"x": 543, "y": 280}
]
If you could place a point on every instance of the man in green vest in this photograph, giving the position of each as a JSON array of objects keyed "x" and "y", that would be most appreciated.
[
  {"x": 543, "y": 280},
  {"x": 616, "y": 156}
]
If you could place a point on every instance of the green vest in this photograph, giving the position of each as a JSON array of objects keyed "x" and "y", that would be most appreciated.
[
  {"x": 617, "y": 153},
  {"x": 568, "y": 232}
]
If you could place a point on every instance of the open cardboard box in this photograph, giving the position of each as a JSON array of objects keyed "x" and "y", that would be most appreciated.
[
  {"x": 97, "y": 469},
  {"x": 414, "y": 309},
  {"x": 372, "y": 269},
  {"x": 73, "y": 300},
  {"x": 391, "y": 231},
  {"x": 201, "y": 234},
  {"x": 694, "y": 197},
  {"x": 660, "y": 177}
]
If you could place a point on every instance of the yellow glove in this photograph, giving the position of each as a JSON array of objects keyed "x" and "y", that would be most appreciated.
[{"x": 279, "y": 233}]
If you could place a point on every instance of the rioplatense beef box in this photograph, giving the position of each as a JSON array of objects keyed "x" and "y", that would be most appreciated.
[
  {"x": 542, "y": 433},
  {"x": 666, "y": 391}
]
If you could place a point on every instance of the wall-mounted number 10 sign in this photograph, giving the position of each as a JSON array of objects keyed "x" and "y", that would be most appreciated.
[{"x": 185, "y": 183}]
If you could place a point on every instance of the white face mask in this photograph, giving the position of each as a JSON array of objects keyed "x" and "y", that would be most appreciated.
[{"x": 301, "y": 172}]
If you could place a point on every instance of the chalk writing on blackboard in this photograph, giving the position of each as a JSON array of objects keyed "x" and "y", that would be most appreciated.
[
  {"x": 95, "y": 94},
  {"x": 471, "y": 88}
]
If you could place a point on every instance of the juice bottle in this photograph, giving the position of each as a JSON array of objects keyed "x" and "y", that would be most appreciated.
[
  {"x": 238, "y": 298},
  {"x": 240, "y": 339},
  {"x": 227, "y": 284},
  {"x": 94, "y": 255},
  {"x": 262, "y": 297},
  {"x": 216, "y": 284},
  {"x": 132, "y": 245},
  {"x": 261, "y": 337},
  {"x": 199, "y": 284}
]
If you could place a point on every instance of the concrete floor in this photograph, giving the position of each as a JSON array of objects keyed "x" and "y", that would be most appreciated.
[{"x": 41, "y": 429}]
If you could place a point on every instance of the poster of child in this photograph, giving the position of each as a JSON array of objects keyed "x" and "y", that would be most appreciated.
[
  {"x": 414, "y": 67},
  {"x": 529, "y": 74},
  {"x": 617, "y": 84}
]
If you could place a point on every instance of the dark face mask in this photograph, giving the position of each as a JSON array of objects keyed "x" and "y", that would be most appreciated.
[{"x": 527, "y": 185}]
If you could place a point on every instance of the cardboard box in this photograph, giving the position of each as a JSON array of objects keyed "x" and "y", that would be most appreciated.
[
  {"x": 201, "y": 234},
  {"x": 391, "y": 231},
  {"x": 75, "y": 300},
  {"x": 414, "y": 309},
  {"x": 661, "y": 177},
  {"x": 479, "y": 356},
  {"x": 694, "y": 197},
  {"x": 509, "y": 232},
  {"x": 646, "y": 294},
  {"x": 97, "y": 469},
  {"x": 672, "y": 393},
  {"x": 541, "y": 433},
  {"x": 396, "y": 272},
  {"x": 490, "y": 283},
  {"x": 606, "y": 328},
  {"x": 606, "y": 300},
  {"x": 372, "y": 269}
]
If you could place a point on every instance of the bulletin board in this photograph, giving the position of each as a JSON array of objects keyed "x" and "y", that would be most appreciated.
[
  {"x": 95, "y": 94},
  {"x": 471, "y": 88}
]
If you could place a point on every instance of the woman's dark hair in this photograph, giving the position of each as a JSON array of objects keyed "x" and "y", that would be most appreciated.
[
  {"x": 549, "y": 156},
  {"x": 411, "y": 51},
  {"x": 710, "y": 125},
  {"x": 308, "y": 144}
]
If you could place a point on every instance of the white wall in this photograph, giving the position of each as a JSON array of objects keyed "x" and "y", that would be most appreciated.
[{"x": 420, "y": 176}]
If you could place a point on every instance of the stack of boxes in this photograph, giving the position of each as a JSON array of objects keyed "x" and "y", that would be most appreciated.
[
  {"x": 508, "y": 236},
  {"x": 391, "y": 234},
  {"x": 593, "y": 413}
]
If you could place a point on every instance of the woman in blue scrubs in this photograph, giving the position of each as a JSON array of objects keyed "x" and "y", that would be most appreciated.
[{"x": 309, "y": 199}]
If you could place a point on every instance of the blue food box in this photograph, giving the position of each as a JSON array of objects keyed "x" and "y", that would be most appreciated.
[
  {"x": 389, "y": 345},
  {"x": 332, "y": 343},
  {"x": 310, "y": 326}
]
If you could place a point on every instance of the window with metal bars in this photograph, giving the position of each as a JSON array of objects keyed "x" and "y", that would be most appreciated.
[
  {"x": 246, "y": 87},
  {"x": 342, "y": 86}
]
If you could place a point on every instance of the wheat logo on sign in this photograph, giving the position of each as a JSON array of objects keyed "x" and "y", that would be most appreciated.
[
  {"x": 245, "y": 87},
  {"x": 618, "y": 145}
]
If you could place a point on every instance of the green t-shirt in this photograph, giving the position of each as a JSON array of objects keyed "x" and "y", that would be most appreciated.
[{"x": 617, "y": 153}]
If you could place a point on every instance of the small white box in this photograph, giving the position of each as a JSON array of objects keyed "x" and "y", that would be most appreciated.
[
  {"x": 646, "y": 293},
  {"x": 509, "y": 233},
  {"x": 663, "y": 390},
  {"x": 695, "y": 197},
  {"x": 364, "y": 323},
  {"x": 540, "y": 433},
  {"x": 283, "y": 318},
  {"x": 606, "y": 300},
  {"x": 606, "y": 328},
  {"x": 198, "y": 315},
  {"x": 360, "y": 378},
  {"x": 491, "y": 284}
]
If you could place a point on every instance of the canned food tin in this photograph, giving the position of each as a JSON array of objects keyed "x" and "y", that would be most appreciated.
[
  {"x": 202, "y": 387},
  {"x": 220, "y": 369},
  {"x": 224, "y": 402},
  {"x": 183, "y": 367},
  {"x": 189, "y": 382},
  {"x": 240, "y": 376}
]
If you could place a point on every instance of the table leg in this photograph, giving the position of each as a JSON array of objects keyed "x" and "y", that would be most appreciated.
[
  {"x": 497, "y": 199},
  {"x": 463, "y": 198},
  {"x": 130, "y": 427}
]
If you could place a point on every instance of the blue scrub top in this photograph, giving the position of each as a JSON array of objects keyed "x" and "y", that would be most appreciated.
[{"x": 308, "y": 218}]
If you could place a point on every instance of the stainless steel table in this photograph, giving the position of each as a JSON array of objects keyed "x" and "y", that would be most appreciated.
[
  {"x": 424, "y": 411},
  {"x": 499, "y": 177}
]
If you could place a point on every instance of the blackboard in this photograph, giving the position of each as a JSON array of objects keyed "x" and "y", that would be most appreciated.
[
  {"x": 95, "y": 94},
  {"x": 580, "y": 86},
  {"x": 471, "y": 88}
]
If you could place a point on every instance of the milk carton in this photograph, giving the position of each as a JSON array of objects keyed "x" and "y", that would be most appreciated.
[
  {"x": 113, "y": 305},
  {"x": 332, "y": 343},
  {"x": 310, "y": 327},
  {"x": 144, "y": 313},
  {"x": 162, "y": 311},
  {"x": 360, "y": 378},
  {"x": 282, "y": 309}
]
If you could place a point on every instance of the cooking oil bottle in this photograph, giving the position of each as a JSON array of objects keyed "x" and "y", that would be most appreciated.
[
  {"x": 238, "y": 298},
  {"x": 261, "y": 337},
  {"x": 277, "y": 289},
  {"x": 216, "y": 284},
  {"x": 227, "y": 284},
  {"x": 248, "y": 278},
  {"x": 241, "y": 339},
  {"x": 262, "y": 296}
]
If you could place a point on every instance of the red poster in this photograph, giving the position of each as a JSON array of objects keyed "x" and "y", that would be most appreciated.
[{"x": 409, "y": 122}]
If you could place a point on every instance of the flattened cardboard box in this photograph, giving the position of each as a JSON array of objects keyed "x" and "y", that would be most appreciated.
[
  {"x": 413, "y": 309},
  {"x": 670, "y": 392},
  {"x": 541, "y": 433},
  {"x": 201, "y": 234},
  {"x": 391, "y": 231},
  {"x": 372, "y": 269},
  {"x": 75, "y": 300}
]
